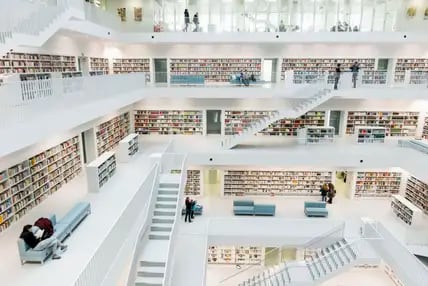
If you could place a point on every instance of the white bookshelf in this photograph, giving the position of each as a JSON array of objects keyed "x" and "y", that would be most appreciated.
[
  {"x": 130, "y": 65},
  {"x": 425, "y": 129},
  {"x": 215, "y": 70},
  {"x": 25, "y": 185},
  {"x": 396, "y": 123},
  {"x": 304, "y": 65},
  {"x": 100, "y": 171},
  {"x": 274, "y": 183},
  {"x": 128, "y": 147},
  {"x": 109, "y": 133},
  {"x": 406, "y": 211},
  {"x": 377, "y": 184},
  {"x": 36, "y": 63},
  {"x": 236, "y": 255},
  {"x": 194, "y": 183},
  {"x": 316, "y": 135},
  {"x": 370, "y": 134},
  {"x": 168, "y": 122},
  {"x": 99, "y": 66},
  {"x": 417, "y": 193},
  {"x": 413, "y": 64}
]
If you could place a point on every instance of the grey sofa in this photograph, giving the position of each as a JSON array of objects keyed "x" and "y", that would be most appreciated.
[
  {"x": 63, "y": 229},
  {"x": 247, "y": 207}
]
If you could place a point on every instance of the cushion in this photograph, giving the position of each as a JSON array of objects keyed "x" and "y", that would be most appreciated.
[
  {"x": 315, "y": 204},
  {"x": 243, "y": 210},
  {"x": 60, "y": 230},
  {"x": 75, "y": 212},
  {"x": 53, "y": 219},
  {"x": 243, "y": 203},
  {"x": 264, "y": 209}
]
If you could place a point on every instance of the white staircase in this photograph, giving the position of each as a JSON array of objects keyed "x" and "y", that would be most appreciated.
[
  {"x": 23, "y": 23},
  {"x": 322, "y": 94},
  {"x": 152, "y": 263},
  {"x": 320, "y": 266}
]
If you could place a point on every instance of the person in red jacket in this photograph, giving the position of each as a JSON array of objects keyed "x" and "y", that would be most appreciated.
[{"x": 29, "y": 233}]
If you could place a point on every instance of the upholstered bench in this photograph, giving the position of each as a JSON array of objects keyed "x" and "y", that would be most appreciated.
[
  {"x": 243, "y": 207},
  {"x": 317, "y": 209},
  {"x": 263, "y": 209},
  {"x": 62, "y": 229}
]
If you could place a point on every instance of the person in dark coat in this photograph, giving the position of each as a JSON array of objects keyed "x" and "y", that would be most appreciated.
[
  {"x": 331, "y": 193},
  {"x": 324, "y": 192},
  {"x": 186, "y": 20},
  {"x": 188, "y": 203},
  {"x": 34, "y": 241}
]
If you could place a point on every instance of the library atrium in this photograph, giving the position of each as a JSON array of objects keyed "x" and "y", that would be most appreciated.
[{"x": 214, "y": 142}]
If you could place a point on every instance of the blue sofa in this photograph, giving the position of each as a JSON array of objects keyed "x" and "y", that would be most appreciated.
[
  {"x": 198, "y": 210},
  {"x": 247, "y": 207},
  {"x": 63, "y": 228},
  {"x": 318, "y": 209},
  {"x": 187, "y": 79}
]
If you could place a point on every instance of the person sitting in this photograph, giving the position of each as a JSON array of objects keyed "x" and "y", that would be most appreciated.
[{"x": 32, "y": 235}]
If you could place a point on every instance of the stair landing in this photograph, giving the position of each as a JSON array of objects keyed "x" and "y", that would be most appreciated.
[{"x": 155, "y": 251}]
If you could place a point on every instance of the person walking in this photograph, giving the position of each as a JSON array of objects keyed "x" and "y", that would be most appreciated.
[
  {"x": 324, "y": 192},
  {"x": 331, "y": 193},
  {"x": 188, "y": 204},
  {"x": 355, "y": 68},
  {"x": 337, "y": 72},
  {"x": 186, "y": 20},
  {"x": 196, "y": 22}
]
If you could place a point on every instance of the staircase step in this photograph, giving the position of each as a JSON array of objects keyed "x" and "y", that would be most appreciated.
[
  {"x": 167, "y": 198},
  {"x": 329, "y": 259},
  {"x": 150, "y": 271},
  {"x": 322, "y": 264},
  {"x": 152, "y": 264},
  {"x": 168, "y": 185},
  {"x": 161, "y": 227},
  {"x": 163, "y": 220},
  {"x": 160, "y": 212},
  {"x": 159, "y": 235},
  {"x": 166, "y": 205},
  {"x": 149, "y": 281},
  {"x": 336, "y": 254},
  {"x": 167, "y": 192}
]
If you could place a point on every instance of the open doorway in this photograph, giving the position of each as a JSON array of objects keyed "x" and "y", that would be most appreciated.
[
  {"x": 342, "y": 184},
  {"x": 83, "y": 65},
  {"x": 161, "y": 69},
  {"x": 214, "y": 122},
  {"x": 269, "y": 70}
]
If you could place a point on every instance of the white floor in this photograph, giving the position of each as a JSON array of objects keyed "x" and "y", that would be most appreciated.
[{"x": 84, "y": 241}]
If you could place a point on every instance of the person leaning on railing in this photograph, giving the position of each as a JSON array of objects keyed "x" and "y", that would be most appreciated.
[{"x": 355, "y": 68}]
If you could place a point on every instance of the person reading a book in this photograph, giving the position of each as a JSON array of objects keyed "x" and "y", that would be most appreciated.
[{"x": 32, "y": 235}]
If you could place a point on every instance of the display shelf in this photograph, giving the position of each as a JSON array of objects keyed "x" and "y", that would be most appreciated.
[
  {"x": 417, "y": 193},
  {"x": 316, "y": 65},
  {"x": 36, "y": 63},
  {"x": 168, "y": 122},
  {"x": 289, "y": 126},
  {"x": 413, "y": 64},
  {"x": 369, "y": 134},
  {"x": 100, "y": 171},
  {"x": 128, "y": 147},
  {"x": 215, "y": 70},
  {"x": 239, "y": 255},
  {"x": 406, "y": 211},
  {"x": 316, "y": 135},
  {"x": 377, "y": 184},
  {"x": 99, "y": 65},
  {"x": 425, "y": 129},
  {"x": 267, "y": 182},
  {"x": 396, "y": 123},
  {"x": 130, "y": 65},
  {"x": 110, "y": 133},
  {"x": 193, "y": 183},
  {"x": 25, "y": 185}
]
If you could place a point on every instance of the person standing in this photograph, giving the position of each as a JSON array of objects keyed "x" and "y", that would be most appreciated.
[
  {"x": 355, "y": 68},
  {"x": 196, "y": 22},
  {"x": 331, "y": 193},
  {"x": 337, "y": 72},
  {"x": 282, "y": 27},
  {"x": 188, "y": 203},
  {"x": 324, "y": 191},
  {"x": 193, "y": 207},
  {"x": 186, "y": 20}
]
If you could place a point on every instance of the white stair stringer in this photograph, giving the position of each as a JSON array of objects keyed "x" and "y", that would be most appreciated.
[
  {"x": 305, "y": 105},
  {"x": 324, "y": 264},
  {"x": 39, "y": 26},
  {"x": 152, "y": 264}
]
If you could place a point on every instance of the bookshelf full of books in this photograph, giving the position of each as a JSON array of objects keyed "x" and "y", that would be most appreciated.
[
  {"x": 99, "y": 66},
  {"x": 132, "y": 65},
  {"x": 36, "y": 63},
  {"x": 128, "y": 147},
  {"x": 100, "y": 171},
  {"x": 406, "y": 211},
  {"x": 290, "y": 126},
  {"x": 417, "y": 193},
  {"x": 370, "y": 134},
  {"x": 168, "y": 122},
  {"x": 28, "y": 183},
  {"x": 425, "y": 129},
  {"x": 109, "y": 133},
  {"x": 316, "y": 135},
  {"x": 215, "y": 70},
  {"x": 396, "y": 123},
  {"x": 377, "y": 184},
  {"x": 274, "y": 183},
  {"x": 413, "y": 64},
  {"x": 193, "y": 184},
  {"x": 316, "y": 65},
  {"x": 237, "y": 255}
]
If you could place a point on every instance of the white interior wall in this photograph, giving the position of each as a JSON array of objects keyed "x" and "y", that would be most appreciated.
[{"x": 146, "y": 25}]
